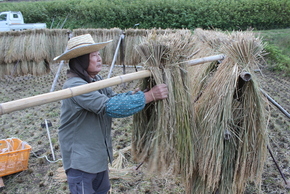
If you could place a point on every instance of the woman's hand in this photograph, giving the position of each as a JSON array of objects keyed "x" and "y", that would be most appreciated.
[{"x": 158, "y": 92}]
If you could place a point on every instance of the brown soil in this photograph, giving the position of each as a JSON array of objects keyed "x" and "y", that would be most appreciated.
[{"x": 46, "y": 176}]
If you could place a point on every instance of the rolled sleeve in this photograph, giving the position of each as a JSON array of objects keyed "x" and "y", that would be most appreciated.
[{"x": 125, "y": 104}]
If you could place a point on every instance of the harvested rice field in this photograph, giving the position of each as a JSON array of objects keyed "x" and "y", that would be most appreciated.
[{"x": 46, "y": 176}]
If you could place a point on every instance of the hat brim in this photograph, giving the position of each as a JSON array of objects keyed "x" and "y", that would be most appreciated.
[{"x": 81, "y": 50}]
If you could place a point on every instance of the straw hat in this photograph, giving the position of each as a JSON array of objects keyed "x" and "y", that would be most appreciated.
[{"x": 80, "y": 45}]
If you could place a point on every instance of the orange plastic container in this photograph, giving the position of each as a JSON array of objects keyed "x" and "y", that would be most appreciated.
[{"x": 14, "y": 155}]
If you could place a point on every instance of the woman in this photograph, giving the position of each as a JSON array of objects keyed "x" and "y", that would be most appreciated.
[{"x": 85, "y": 130}]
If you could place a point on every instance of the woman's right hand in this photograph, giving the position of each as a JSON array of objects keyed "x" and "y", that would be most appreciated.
[{"x": 158, "y": 92}]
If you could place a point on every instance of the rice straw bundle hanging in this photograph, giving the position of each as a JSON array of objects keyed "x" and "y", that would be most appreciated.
[
  {"x": 4, "y": 40},
  {"x": 56, "y": 42},
  {"x": 207, "y": 44},
  {"x": 133, "y": 37},
  {"x": 14, "y": 53},
  {"x": 109, "y": 51},
  {"x": 24, "y": 68},
  {"x": 17, "y": 71},
  {"x": 212, "y": 40},
  {"x": 13, "y": 69},
  {"x": 162, "y": 134},
  {"x": 3, "y": 70},
  {"x": 229, "y": 120},
  {"x": 21, "y": 51},
  {"x": 15, "y": 48},
  {"x": 99, "y": 34},
  {"x": 3, "y": 45},
  {"x": 77, "y": 32},
  {"x": 160, "y": 31},
  {"x": 6, "y": 47},
  {"x": 9, "y": 55},
  {"x": 34, "y": 68},
  {"x": 43, "y": 68},
  {"x": 36, "y": 48}
]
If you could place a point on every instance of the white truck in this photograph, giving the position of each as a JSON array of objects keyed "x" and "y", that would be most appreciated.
[{"x": 13, "y": 21}]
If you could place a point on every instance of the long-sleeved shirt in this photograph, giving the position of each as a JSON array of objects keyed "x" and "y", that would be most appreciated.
[{"x": 85, "y": 129}]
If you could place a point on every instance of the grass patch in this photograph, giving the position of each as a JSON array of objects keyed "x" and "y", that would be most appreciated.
[
  {"x": 280, "y": 38},
  {"x": 276, "y": 60},
  {"x": 278, "y": 49}
]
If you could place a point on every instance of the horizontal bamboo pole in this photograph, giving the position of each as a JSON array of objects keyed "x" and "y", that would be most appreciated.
[
  {"x": 20, "y": 104},
  {"x": 8, "y": 107},
  {"x": 246, "y": 76},
  {"x": 205, "y": 60}
]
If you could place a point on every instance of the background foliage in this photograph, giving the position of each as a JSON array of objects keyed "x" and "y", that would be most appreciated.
[
  {"x": 175, "y": 14},
  {"x": 190, "y": 14}
]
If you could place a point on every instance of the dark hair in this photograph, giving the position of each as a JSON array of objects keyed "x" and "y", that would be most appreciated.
[{"x": 79, "y": 66}]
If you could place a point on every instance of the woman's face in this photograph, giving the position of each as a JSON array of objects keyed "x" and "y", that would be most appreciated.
[{"x": 95, "y": 65}]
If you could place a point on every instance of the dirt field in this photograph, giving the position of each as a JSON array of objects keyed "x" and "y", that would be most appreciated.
[{"x": 46, "y": 176}]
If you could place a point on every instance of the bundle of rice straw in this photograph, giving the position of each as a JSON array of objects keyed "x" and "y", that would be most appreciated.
[
  {"x": 229, "y": 116},
  {"x": 30, "y": 51},
  {"x": 163, "y": 134},
  {"x": 36, "y": 45},
  {"x": 121, "y": 157},
  {"x": 15, "y": 47},
  {"x": 211, "y": 130},
  {"x": 3, "y": 39},
  {"x": 56, "y": 42},
  {"x": 134, "y": 37}
]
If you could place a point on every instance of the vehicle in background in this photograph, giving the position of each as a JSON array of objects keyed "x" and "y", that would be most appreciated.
[{"x": 13, "y": 21}]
